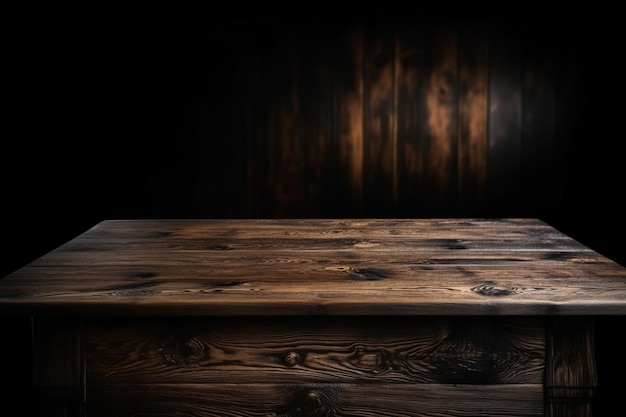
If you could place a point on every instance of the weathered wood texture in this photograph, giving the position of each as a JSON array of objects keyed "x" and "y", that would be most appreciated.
[
  {"x": 571, "y": 378},
  {"x": 316, "y": 366},
  {"x": 316, "y": 317},
  {"x": 58, "y": 367},
  {"x": 380, "y": 114},
  {"x": 491, "y": 350},
  {"x": 328, "y": 400},
  {"x": 251, "y": 366},
  {"x": 319, "y": 267}
]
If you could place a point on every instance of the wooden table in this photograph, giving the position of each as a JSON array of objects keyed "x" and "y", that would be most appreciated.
[{"x": 316, "y": 317}]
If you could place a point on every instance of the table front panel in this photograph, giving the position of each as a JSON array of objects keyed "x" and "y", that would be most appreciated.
[{"x": 442, "y": 350}]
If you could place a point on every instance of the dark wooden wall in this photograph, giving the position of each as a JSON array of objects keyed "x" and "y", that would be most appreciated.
[
  {"x": 453, "y": 109},
  {"x": 336, "y": 112}
]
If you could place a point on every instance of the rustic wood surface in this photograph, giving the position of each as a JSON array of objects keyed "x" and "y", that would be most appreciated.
[
  {"x": 430, "y": 350},
  {"x": 317, "y": 400},
  {"x": 571, "y": 376},
  {"x": 319, "y": 267},
  {"x": 58, "y": 368}
]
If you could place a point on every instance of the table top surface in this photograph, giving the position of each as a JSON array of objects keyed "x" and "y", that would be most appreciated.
[{"x": 511, "y": 266}]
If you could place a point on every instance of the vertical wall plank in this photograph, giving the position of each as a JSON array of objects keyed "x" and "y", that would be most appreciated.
[
  {"x": 441, "y": 123},
  {"x": 289, "y": 150},
  {"x": 350, "y": 122},
  {"x": 505, "y": 123},
  {"x": 473, "y": 106},
  {"x": 540, "y": 167},
  {"x": 379, "y": 141},
  {"x": 409, "y": 57},
  {"x": 265, "y": 69},
  {"x": 316, "y": 131},
  {"x": 327, "y": 156}
]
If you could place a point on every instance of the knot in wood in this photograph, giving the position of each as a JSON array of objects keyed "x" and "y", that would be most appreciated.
[
  {"x": 310, "y": 404},
  {"x": 291, "y": 359},
  {"x": 491, "y": 291},
  {"x": 313, "y": 399},
  {"x": 191, "y": 347}
]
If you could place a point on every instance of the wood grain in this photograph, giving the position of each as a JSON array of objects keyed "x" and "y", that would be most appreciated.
[
  {"x": 367, "y": 350},
  {"x": 58, "y": 367},
  {"x": 379, "y": 121},
  {"x": 351, "y": 86},
  {"x": 571, "y": 377},
  {"x": 319, "y": 267},
  {"x": 441, "y": 123},
  {"x": 316, "y": 317},
  {"x": 300, "y": 99},
  {"x": 473, "y": 119},
  {"x": 311, "y": 400},
  {"x": 410, "y": 77}
]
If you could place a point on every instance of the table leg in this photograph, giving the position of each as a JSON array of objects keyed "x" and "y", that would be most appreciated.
[
  {"x": 58, "y": 367},
  {"x": 571, "y": 377}
]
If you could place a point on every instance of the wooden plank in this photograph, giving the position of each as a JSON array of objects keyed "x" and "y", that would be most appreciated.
[
  {"x": 571, "y": 378},
  {"x": 317, "y": 114},
  {"x": 505, "y": 122},
  {"x": 367, "y": 400},
  {"x": 244, "y": 260},
  {"x": 441, "y": 123},
  {"x": 145, "y": 231},
  {"x": 473, "y": 119},
  {"x": 316, "y": 266},
  {"x": 267, "y": 87},
  {"x": 379, "y": 115},
  {"x": 309, "y": 243},
  {"x": 231, "y": 297},
  {"x": 288, "y": 153},
  {"x": 350, "y": 123},
  {"x": 410, "y": 75},
  {"x": 404, "y": 350},
  {"x": 354, "y": 137},
  {"x": 58, "y": 367}
]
